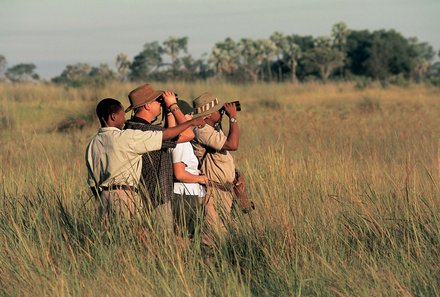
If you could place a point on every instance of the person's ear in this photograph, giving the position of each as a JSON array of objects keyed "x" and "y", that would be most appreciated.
[{"x": 113, "y": 117}]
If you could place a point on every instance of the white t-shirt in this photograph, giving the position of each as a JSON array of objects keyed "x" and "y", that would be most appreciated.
[{"x": 183, "y": 152}]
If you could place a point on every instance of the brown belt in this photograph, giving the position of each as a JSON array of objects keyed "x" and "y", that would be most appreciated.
[
  {"x": 227, "y": 187},
  {"x": 118, "y": 187}
]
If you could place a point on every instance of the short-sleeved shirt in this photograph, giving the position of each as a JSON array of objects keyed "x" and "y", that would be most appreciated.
[
  {"x": 218, "y": 165},
  {"x": 157, "y": 167},
  {"x": 184, "y": 153},
  {"x": 113, "y": 156}
]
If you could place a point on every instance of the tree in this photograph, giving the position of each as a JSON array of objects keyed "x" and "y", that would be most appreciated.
[
  {"x": 358, "y": 43},
  {"x": 255, "y": 57},
  {"x": 3, "y": 67},
  {"x": 268, "y": 51},
  {"x": 173, "y": 46},
  {"x": 390, "y": 54},
  {"x": 434, "y": 73},
  {"x": 146, "y": 62},
  {"x": 289, "y": 53},
  {"x": 339, "y": 35},
  {"x": 123, "y": 66},
  {"x": 194, "y": 69},
  {"x": 225, "y": 57},
  {"x": 380, "y": 54},
  {"x": 250, "y": 57},
  {"x": 99, "y": 76},
  {"x": 22, "y": 73},
  {"x": 324, "y": 57},
  {"x": 74, "y": 75},
  {"x": 81, "y": 74},
  {"x": 424, "y": 56}
]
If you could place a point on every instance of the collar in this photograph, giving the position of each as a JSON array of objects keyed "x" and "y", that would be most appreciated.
[
  {"x": 136, "y": 119},
  {"x": 104, "y": 129}
]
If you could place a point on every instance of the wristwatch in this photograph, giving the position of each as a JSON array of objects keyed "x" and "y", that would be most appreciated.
[{"x": 233, "y": 120}]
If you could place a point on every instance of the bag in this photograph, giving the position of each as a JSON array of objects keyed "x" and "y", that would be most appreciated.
[{"x": 242, "y": 199}]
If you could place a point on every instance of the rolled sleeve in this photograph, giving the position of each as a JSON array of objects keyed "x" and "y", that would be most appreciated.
[{"x": 211, "y": 137}]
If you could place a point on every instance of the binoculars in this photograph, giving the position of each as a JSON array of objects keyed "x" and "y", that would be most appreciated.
[
  {"x": 236, "y": 103},
  {"x": 161, "y": 100}
]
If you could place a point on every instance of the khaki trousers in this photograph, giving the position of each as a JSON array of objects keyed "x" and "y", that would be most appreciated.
[
  {"x": 122, "y": 203},
  {"x": 217, "y": 216}
]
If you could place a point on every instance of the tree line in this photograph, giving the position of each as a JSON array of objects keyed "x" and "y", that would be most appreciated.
[{"x": 345, "y": 54}]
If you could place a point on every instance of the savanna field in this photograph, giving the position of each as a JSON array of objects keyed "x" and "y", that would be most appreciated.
[{"x": 345, "y": 179}]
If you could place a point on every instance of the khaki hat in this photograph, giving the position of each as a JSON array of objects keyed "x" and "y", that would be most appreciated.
[
  {"x": 142, "y": 95},
  {"x": 206, "y": 104}
]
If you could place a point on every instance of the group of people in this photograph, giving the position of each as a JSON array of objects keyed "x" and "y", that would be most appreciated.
[{"x": 136, "y": 167}]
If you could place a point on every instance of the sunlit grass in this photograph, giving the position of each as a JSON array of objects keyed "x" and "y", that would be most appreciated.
[{"x": 345, "y": 181}]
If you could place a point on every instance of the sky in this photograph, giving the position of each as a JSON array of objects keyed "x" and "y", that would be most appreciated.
[{"x": 55, "y": 33}]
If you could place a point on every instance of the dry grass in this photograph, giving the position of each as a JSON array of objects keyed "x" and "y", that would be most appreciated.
[{"x": 345, "y": 181}]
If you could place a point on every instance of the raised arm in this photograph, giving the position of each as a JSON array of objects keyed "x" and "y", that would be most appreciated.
[
  {"x": 173, "y": 132},
  {"x": 186, "y": 135},
  {"x": 175, "y": 115},
  {"x": 233, "y": 138}
]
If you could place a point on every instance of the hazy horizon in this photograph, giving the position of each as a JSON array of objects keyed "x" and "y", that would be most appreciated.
[{"x": 53, "y": 34}]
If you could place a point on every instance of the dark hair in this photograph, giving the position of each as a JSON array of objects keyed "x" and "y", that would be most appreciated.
[
  {"x": 107, "y": 107},
  {"x": 184, "y": 107}
]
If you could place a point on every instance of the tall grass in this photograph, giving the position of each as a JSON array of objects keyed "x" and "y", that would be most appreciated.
[{"x": 345, "y": 181}]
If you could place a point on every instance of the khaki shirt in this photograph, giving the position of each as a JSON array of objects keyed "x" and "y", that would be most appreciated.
[
  {"x": 217, "y": 165},
  {"x": 113, "y": 156}
]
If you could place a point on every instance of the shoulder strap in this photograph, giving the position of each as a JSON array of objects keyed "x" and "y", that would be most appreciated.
[{"x": 203, "y": 157}]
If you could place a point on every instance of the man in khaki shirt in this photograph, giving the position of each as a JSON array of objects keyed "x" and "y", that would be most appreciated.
[
  {"x": 113, "y": 158},
  {"x": 212, "y": 148}
]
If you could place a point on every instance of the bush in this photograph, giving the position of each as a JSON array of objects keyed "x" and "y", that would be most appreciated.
[
  {"x": 362, "y": 82},
  {"x": 7, "y": 122},
  {"x": 398, "y": 80}
]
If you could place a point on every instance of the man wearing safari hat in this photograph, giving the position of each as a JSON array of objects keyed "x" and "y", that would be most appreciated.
[
  {"x": 157, "y": 170},
  {"x": 212, "y": 148}
]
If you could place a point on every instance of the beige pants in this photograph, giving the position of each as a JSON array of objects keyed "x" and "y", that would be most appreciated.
[
  {"x": 217, "y": 216},
  {"x": 122, "y": 203}
]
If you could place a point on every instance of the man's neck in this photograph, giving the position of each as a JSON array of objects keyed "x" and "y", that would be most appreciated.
[
  {"x": 139, "y": 120},
  {"x": 146, "y": 117}
]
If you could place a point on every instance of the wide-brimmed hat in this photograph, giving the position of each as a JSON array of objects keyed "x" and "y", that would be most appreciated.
[
  {"x": 206, "y": 104},
  {"x": 142, "y": 95}
]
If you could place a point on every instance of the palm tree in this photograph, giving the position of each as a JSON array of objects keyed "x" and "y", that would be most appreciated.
[
  {"x": 122, "y": 66},
  {"x": 290, "y": 52},
  {"x": 225, "y": 56},
  {"x": 173, "y": 46},
  {"x": 339, "y": 34}
]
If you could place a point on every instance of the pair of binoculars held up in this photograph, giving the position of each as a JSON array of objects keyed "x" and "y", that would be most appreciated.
[{"x": 237, "y": 105}]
